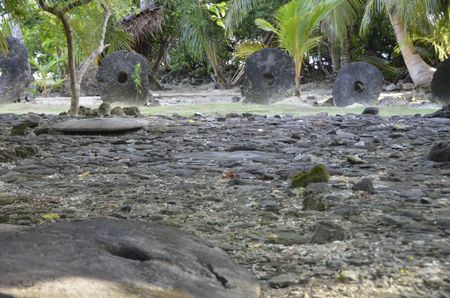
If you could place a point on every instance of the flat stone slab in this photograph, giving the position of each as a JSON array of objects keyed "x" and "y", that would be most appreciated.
[
  {"x": 100, "y": 125},
  {"x": 112, "y": 258}
]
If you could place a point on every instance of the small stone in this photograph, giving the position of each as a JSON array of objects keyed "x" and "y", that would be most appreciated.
[
  {"x": 389, "y": 88},
  {"x": 364, "y": 185},
  {"x": 86, "y": 111},
  {"x": 117, "y": 112},
  {"x": 283, "y": 280},
  {"x": 327, "y": 231},
  {"x": 132, "y": 111},
  {"x": 318, "y": 173},
  {"x": 371, "y": 111},
  {"x": 104, "y": 110},
  {"x": 408, "y": 86},
  {"x": 21, "y": 129},
  {"x": 440, "y": 152},
  {"x": 313, "y": 201},
  {"x": 355, "y": 160}
]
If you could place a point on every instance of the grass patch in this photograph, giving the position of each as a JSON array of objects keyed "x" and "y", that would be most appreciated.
[{"x": 223, "y": 109}]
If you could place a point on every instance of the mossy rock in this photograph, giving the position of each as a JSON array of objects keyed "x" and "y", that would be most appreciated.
[
  {"x": 20, "y": 130},
  {"x": 318, "y": 173},
  {"x": 132, "y": 111},
  {"x": 117, "y": 112}
]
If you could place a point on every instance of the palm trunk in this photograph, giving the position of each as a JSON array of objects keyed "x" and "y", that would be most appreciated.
[
  {"x": 74, "y": 85},
  {"x": 298, "y": 77},
  {"x": 420, "y": 72},
  {"x": 345, "y": 50},
  {"x": 334, "y": 57}
]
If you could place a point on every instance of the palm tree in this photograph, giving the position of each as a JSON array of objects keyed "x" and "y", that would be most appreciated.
[
  {"x": 335, "y": 27},
  {"x": 295, "y": 23},
  {"x": 403, "y": 15}
]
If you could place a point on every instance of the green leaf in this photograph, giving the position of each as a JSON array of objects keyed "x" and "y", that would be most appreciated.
[{"x": 264, "y": 25}]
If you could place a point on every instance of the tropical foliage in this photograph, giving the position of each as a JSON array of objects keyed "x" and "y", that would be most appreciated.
[{"x": 401, "y": 37}]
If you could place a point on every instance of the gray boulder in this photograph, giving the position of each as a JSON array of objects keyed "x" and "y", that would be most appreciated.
[
  {"x": 440, "y": 90},
  {"x": 115, "y": 77},
  {"x": 268, "y": 77},
  {"x": 357, "y": 82},
  {"x": 111, "y": 258},
  {"x": 15, "y": 71}
]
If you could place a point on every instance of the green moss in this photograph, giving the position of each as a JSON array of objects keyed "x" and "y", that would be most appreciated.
[
  {"x": 20, "y": 130},
  {"x": 318, "y": 173}
]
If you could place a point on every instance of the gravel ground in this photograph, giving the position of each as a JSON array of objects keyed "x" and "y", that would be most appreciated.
[{"x": 227, "y": 179}]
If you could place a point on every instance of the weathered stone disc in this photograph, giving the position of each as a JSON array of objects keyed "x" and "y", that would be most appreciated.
[
  {"x": 111, "y": 258},
  {"x": 268, "y": 76},
  {"x": 15, "y": 72},
  {"x": 357, "y": 82},
  {"x": 100, "y": 125},
  {"x": 440, "y": 90}
]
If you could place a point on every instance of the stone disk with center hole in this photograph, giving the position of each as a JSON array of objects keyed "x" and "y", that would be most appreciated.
[
  {"x": 112, "y": 258},
  {"x": 357, "y": 82},
  {"x": 440, "y": 85}
]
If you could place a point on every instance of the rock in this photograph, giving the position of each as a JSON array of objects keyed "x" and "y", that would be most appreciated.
[
  {"x": 390, "y": 87},
  {"x": 327, "y": 231},
  {"x": 117, "y": 112},
  {"x": 268, "y": 77},
  {"x": 357, "y": 82},
  {"x": 132, "y": 111},
  {"x": 327, "y": 103},
  {"x": 371, "y": 111},
  {"x": 104, "y": 110},
  {"x": 442, "y": 113},
  {"x": 116, "y": 78},
  {"x": 100, "y": 125},
  {"x": 117, "y": 259},
  {"x": 364, "y": 185},
  {"x": 318, "y": 173},
  {"x": 86, "y": 111},
  {"x": 15, "y": 72},
  {"x": 20, "y": 130},
  {"x": 408, "y": 86},
  {"x": 17, "y": 152},
  {"x": 313, "y": 201},
  {"x": 283, "y": 280},
  {"x": 440, "y": 152},
  {"x": 355, "y": 160},
  {"x": 439, "y": 85}
]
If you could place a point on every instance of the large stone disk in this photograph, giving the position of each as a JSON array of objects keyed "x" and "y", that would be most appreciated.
[
  {"x": 116, "y": 78},
  {"x": 357, "y": 82},
  {"x": 111, "y": 258},
  {"x": 268, "y": 76},
  {"x": 100, "y": 125},
  {"x": 15, "y": 72},
  {"x": 440, "y": 85}
]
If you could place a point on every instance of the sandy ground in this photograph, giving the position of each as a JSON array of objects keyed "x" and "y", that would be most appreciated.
[{"x": 311, "y": 95}]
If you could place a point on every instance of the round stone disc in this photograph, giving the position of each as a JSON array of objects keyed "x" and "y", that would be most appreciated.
[
  {"x": 357, "y": 82},
  {"x": 112, "y": 258},
  {"x": 100, "y": 125},
  {"x": 440, "y": 90}
]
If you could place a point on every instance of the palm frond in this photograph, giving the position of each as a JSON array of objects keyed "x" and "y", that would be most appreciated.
[{"x": 245, "y": 49}]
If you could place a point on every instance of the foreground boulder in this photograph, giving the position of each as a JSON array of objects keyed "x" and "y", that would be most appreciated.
[
  {"x": 357, "y": 82},
  {"x": 15, "y": 72},
  {"x": 440, "y": 91},
  {"x": 111, "y": 258},
  {"x": 268, "y": 77},
  {"x": 117, "y": 78}
]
